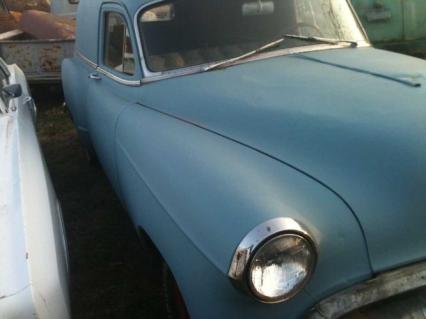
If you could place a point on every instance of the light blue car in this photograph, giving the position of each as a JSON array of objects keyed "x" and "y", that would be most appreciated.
[{"x": 275, "y": 160}]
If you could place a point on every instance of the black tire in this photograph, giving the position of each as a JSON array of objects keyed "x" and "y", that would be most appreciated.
[
  {"x": 173, "y": 300},
  {"x": 91, "y": 157},
  {"x": 175, "y": 305}
]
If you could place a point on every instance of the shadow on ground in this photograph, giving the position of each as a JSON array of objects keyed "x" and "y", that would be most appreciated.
[{"x": 111, "y": 276}]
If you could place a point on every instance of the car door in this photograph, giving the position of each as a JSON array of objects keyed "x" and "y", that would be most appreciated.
[{"x": 111, "y": 84}]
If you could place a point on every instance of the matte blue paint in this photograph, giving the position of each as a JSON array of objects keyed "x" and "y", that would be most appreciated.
[
  {"x": 200, "y": 160},
  {"x": 361, "y": 135}
]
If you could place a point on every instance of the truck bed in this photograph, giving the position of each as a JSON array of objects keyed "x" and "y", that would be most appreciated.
[{"x": 39, "y": 59}]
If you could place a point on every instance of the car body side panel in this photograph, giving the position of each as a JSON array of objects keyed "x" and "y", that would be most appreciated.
[
  {"x": 34, "y": 278},
  {"x": 215, "y": 191},
  {"x": 208, "y": 292},
  {"x": 44, "y": 234},
  {"x": 88, "y": 28},
  {"x": 13, "y": 274},
  {"x": 17, "y": 306},
  {"x": 75, "y": 83},
  {"x": 105, "y": 106}
]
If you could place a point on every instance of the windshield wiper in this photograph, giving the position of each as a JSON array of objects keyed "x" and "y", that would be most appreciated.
[
  {"x": 353, "y": 44},
  {"x": 244, "y": 56},
  {"x": 265, "y": 47}
]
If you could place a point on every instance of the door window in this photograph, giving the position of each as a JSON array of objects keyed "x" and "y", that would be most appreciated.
[{"x": 118, "y": 51}]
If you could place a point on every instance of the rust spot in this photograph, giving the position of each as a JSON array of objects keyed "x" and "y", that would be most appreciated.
[
  {"x": 22, "y": 5},
  {"x": 43, "y": 25},
  {"x": 7, "y": 22}
]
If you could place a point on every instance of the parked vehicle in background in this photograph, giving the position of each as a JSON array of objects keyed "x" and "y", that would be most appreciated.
[
  {"x": 22, "y": 5},
  {"x": 274, "y": 158},
  {"x": 66, "y": 8},
  {"x": 33, "y": 252},
  {"x": 38, "y": 43},
  {"x": 397, "y": 25}
]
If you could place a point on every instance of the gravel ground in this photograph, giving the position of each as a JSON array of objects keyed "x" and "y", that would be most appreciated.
[{"x": 111, "y": 274}]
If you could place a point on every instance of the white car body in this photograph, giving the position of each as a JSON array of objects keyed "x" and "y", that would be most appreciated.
[{"x": 33, "y": 254}]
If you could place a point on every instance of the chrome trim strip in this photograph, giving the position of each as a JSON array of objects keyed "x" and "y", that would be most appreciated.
[
  {"x": 384, "y": 286},
  {"x": 149, "y": 76},
  {"x": 85, "y": 59},
  {"x": 106, "y": 73},
  {"x": 117, "y": 78},
  {"x": 358, "y": 20}
]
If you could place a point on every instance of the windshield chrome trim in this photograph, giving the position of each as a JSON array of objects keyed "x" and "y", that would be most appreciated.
[
  {"x": 384, "y": 286},
  {"x": 149, "y": 76},
  {"x": 358, "y": 20}
]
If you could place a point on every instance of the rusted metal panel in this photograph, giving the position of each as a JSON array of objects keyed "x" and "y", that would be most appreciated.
[
  {"x": 43, "y": 25},
  {"x": 22, "y": 5},
  {"x": 16, "y": 15},
  {"x": 40, "y": 59},
  {"x": 7, "y": 22}
]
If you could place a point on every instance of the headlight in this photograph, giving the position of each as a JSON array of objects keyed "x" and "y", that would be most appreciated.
[
  {"x": 274, "y": 261},
  {"x": 281, "y": 267}
]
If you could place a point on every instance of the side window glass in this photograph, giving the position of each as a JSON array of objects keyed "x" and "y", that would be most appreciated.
[{"x": 118, "y": 51}]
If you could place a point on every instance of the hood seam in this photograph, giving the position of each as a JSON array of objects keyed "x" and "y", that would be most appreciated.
[{"x": 280, "y": 161}]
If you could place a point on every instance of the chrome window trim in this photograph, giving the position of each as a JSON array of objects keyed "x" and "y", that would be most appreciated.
[
  {"x": 86, "y": 59},
  {"x": 384, "y": 286},
  {"x": 117, "y": 78},
  {"x": 149, "y": 76},
  {"x": 358, "y": 20},
  {"x": 146, "y": 72},
  {"x": 108, "y": 74},
  {"x": 256, "y": 238}
]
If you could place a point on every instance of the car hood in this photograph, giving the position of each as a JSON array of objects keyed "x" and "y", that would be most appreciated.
[{"x": 353, "y": 119}]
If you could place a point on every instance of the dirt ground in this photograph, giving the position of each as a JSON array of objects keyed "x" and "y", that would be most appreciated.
[{"x": 111, "y": 276}]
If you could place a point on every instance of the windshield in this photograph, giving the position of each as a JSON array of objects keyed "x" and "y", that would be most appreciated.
[{"x": 183, "y": 33}]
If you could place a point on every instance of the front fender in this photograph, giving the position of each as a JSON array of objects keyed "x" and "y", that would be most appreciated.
[
  {"x": 197, "y": 194},
  {"x": 75, "y": 85}
]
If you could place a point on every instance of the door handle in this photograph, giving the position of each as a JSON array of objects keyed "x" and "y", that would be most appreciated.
[{"x": 94, "y": 76}]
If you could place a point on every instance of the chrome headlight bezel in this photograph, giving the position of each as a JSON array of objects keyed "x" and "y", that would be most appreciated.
[{"x": 255, "y": 240}]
